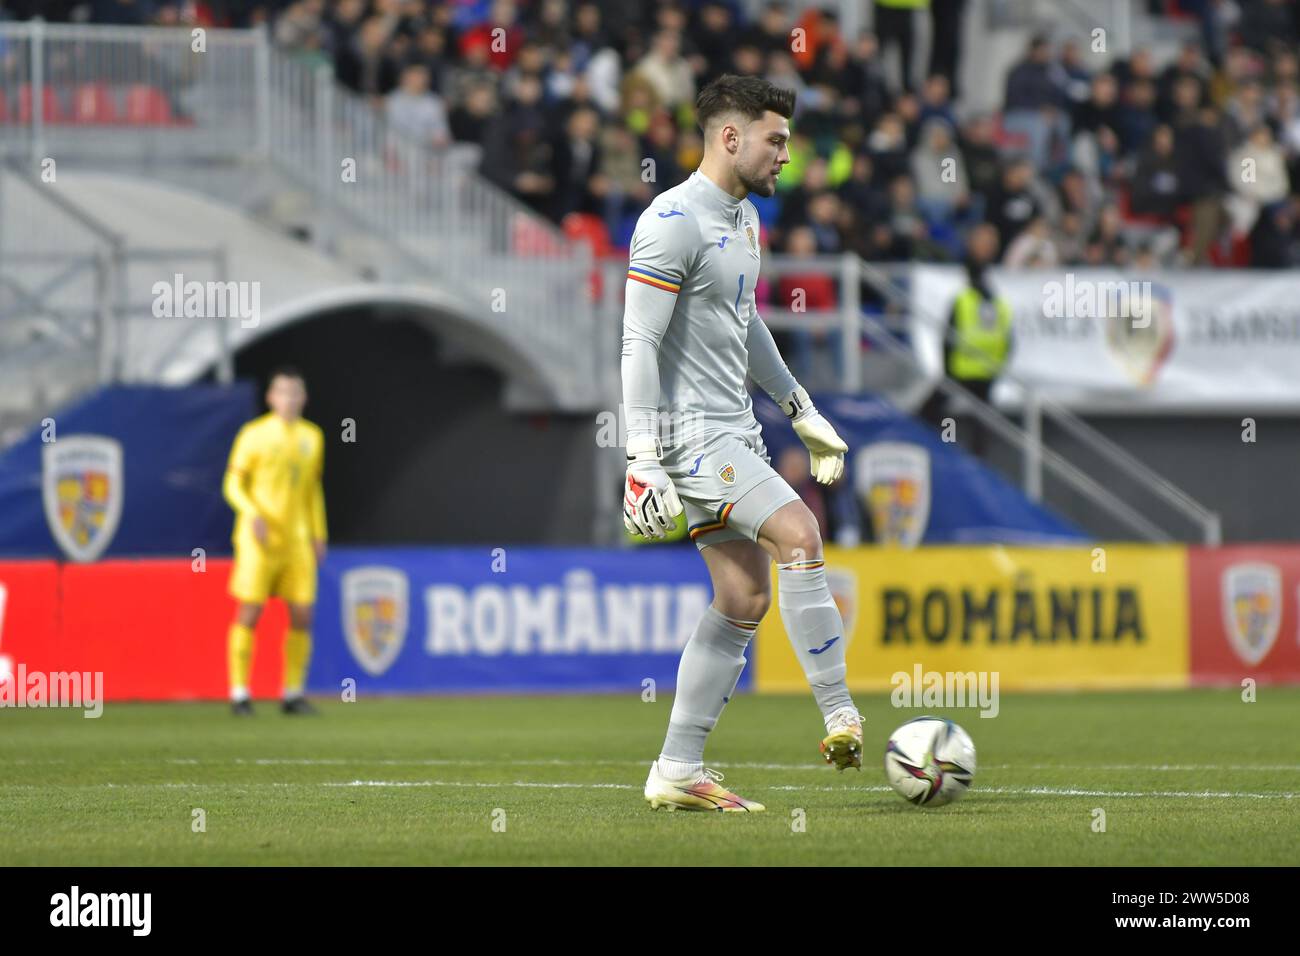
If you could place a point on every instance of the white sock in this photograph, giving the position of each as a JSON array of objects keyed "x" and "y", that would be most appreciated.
[
  {"x": 679, "y": 769},
  {"x": 706, "y": 678},
  {"x": 238, "y": 694},
  {"x": 812, "y": 622}
]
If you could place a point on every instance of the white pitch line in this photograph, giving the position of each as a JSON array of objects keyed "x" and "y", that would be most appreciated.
[
  {"x": 1071, "y": 792},
  {"x": 525, "y": 784},
  {"x": 811, "y": 766},
  {"x": 457, "y": 783},
  {"x": 1030, "y": 791}
]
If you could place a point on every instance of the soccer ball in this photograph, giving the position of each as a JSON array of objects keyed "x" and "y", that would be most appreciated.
[{"x": 930, "y": 761}]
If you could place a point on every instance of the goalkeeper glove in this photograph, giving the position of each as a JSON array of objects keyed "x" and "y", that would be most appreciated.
[
  {"x": 825, "y": 448},
  {"x": 650, "y": 502}
]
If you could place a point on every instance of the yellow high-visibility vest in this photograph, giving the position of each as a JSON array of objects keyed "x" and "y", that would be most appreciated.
[{"x": 983, "y": 329}]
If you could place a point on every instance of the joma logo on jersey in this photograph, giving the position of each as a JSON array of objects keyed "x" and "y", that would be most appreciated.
[
  {"x": 727, "y": 473},
  {"x": 81, "y": 484},
  {"x": 375, "y": 603}
]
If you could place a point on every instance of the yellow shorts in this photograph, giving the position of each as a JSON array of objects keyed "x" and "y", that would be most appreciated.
[{"x": 259, "y": 574}]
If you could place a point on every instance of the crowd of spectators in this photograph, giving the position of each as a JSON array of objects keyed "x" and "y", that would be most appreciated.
[{"x": 585, "y": 107}]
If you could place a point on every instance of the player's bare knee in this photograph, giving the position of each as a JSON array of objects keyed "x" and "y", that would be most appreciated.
[
  {"x": 249, "y": 614},
  {"x": 756, "y": 604},
  {"x": 800, "y": 539},
  {"x": 300, "y": 617},
  {"x": 748, "y": 601}
]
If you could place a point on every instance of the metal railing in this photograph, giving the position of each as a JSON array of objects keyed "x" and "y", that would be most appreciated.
[
  {"x": 66, "y": 321},
  {"x": 127, "y": 92},
  {"x": 1077, "y": 17},
  {"x": 57, "y": 279},
  {"x": 514, "y": 270},
  {"x": 150, "y": 97},
  {"x": 1030, "y": 442}
]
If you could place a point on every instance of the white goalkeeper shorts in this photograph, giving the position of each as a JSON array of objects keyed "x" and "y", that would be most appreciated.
[{"x": 728, "y": 488}]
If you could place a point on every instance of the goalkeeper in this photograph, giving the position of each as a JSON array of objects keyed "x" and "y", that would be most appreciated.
[
  {"x": 273, "y": 483},
  {"x": 691, "y": 335}
]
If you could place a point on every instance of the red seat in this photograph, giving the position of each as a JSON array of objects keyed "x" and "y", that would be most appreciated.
[
  {"x": 93, "y": 103},
  {"x": 588, "y": 228},
  {"x": 1235, "y": 256},
  {"x": 1137, "y": 218},
  {"x": 51, "y": 108},
  {"x": 529, "y": 237},
  {"x": 146, "y": 106}
]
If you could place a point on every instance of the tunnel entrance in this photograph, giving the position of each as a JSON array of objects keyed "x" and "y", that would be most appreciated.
[{"x": 436, "y": 457}]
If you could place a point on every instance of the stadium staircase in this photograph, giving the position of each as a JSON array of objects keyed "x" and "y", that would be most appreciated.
[{"x": 244, "y": 125}]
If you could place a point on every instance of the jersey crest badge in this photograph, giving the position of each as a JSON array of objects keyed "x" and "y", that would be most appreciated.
[
  {"x": 727, "y": 473},
  {"x": 751, "y": 234}
]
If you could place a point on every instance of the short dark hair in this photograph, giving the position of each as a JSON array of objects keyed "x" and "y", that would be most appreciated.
[
  {"x": 285, "y": 371},
  {"x": 750, "y": 96}
]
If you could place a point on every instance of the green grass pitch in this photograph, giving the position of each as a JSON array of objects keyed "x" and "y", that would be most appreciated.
[{"x": 1184, "y": 778}]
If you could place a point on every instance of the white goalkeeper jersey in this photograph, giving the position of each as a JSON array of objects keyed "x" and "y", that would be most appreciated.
[{"x": 691, "y": 331}]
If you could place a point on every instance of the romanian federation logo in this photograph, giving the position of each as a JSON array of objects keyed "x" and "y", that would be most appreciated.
[
  {"x": 375, "y": 606},
  {"x": 1142, "y": 351},
  {"x": 893, "y": 482},
  {"x": 844, "y": 589},
  {"x": 81, "y": 484},
  {"x": 1252, "y": 608},
  {"x": 751, "y": 235},
  {"x": 727, "y": 473}
]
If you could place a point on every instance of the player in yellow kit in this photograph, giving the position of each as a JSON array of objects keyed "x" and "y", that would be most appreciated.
[{"x": 273, "y": 482}]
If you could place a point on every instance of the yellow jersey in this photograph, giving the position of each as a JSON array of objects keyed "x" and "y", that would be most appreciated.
[{"x": 275, "y": 472}]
